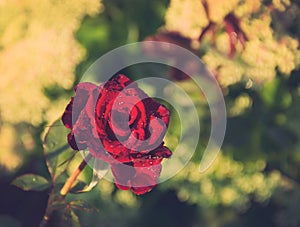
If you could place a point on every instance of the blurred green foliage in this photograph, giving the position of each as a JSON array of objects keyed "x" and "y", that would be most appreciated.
[{"x": 254, "y": 181}]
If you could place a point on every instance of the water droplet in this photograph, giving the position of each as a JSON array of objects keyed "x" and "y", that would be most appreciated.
[{"x": 52, "y": 144}]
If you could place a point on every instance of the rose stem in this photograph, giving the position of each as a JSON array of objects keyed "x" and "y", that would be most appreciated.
[{"x": 70, "y": 181}]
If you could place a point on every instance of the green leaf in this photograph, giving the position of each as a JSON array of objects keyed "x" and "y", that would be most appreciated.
[
  {"x": 75, "y": 219},
  {"x": 65, "y": 218},
  {"x": 69, "y": 218},
  {"x": 57, "y": 151},
  {"x": 33, "y": 182}
]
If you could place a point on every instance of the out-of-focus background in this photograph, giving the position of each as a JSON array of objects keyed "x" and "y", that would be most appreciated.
[{"x": 251, "y": 47}]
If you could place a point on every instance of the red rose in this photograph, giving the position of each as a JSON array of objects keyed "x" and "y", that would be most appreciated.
[{"x": 121, "y": 125}]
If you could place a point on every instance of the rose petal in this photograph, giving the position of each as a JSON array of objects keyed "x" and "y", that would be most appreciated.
[
  {"x": 72, "y": 142},
  {"x": 151, "y": 158},
  {"x": 145, "y": 179},
  {"x": 122, "y": 80},
  {"x": 122, "y": 175},
  {"x": 117, "y": 151},
  {"x": 161, "y": 152},
  {"x": 139, "y": 180},
  {"x": 163, "y": 113},
  {"x": 142, "y": 180},
  {"x": 158, "y": 130},
  {"x": 120, "y": 124},
  {"x": 84, "y": 91},
  {"x": 67, "y": 115}
]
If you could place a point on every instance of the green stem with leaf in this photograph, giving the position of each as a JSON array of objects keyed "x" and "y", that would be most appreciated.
[{"x": 63, "y": 192}]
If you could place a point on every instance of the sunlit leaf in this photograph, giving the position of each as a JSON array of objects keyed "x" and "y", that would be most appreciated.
[
  {"x": 57, "y": 150},
  {"x": 33, "y": 182},
  {"x": 78, "y": 187}
]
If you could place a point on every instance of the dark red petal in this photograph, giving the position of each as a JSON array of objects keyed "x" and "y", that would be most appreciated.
[
  {"x": 151, "y": 105},
  {"x": 117, "y": 83},
  {"x": 85, "y": 86},
  {"x": 72, "y": 142},
  {"x": 145, "y": 179},
  {"x": 158, "y": 130},
  {"x": 119, "y": 123},
  {"x": 153, "y": 158},
  {"x": 117, "y": 150},
  {"x": 133, "y": 116},
  {"x": 129, "y": 106},
  {"x": 96, "y": 148},
  {"x": 142, "y": 190},
  {"x": 67, "y": 115},
  {"x": 77, "y": 104},
  {"x": 103, "y": 109},
  {"x": 75, "y": 116},
  {"x": 161, "y": 152},
  {"x": 84, "y": 96},
  {"x": 122, "y": 175},
  {"x": 122, "y": 80},
  {"x": 163, "y": 113}
]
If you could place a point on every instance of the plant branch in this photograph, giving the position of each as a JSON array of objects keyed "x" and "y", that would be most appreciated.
[{"x": 70, "y": 181}]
